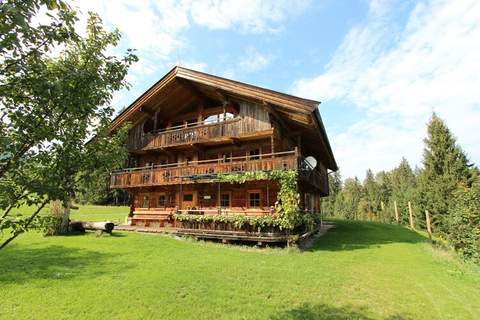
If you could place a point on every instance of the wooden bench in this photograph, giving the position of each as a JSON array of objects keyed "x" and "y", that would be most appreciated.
[{"x": 144, "y": 218}]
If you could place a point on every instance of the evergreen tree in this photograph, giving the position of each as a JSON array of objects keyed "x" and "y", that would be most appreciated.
[
  {"x": 335, "y": 186},
  {"x": 349, "y": 198},
  {"x": 445, "y": 167},
  {"x": 403, "y": 188},
  {"x": 371, "y": 202},
  {"x": 384, "y": 194}
]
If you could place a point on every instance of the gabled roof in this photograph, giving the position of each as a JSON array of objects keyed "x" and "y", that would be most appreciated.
[{"x": 298, "y": 107}]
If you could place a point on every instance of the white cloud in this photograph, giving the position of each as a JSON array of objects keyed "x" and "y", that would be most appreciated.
[
  {"x": 396, "y": 77},
  {"x": 249, "y": 15},
  {"x": 155, "y": 28},
  {"x": 254, "y": 61}
]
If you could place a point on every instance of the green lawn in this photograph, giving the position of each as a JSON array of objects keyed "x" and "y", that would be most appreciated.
[
  {"x": 357, "y": 271},
  {"x": 85, "y": 212}
]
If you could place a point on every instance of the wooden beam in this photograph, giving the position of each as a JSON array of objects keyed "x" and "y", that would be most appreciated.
[
  {"x": 146, "y": 111},
  {"x": 195, "y": 91}
]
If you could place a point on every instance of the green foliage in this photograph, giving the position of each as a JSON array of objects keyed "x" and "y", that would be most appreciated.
[
  {"x": 334, "y": 187},
  {"x": 238, "y": 221},
  {"x": 445, "y": 167},
  {"x": 346, "y": 204},
  {"x": 50, "y": 104},
  {"x": 288, "y": 205},
  {"x": 464, "y": 226}
]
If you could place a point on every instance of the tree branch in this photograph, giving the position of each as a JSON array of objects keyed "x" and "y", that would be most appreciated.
[{"x": 29, "y": 221}]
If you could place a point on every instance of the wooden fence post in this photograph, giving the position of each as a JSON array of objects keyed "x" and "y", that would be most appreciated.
[
  {"x": 429, "y": 226},
  {"x": 383, "y": 211},
  {"x": 410, "y": 213},
  {"x": 396, "y": 211}
]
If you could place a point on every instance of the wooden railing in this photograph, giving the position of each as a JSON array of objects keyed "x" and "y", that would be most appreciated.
[
  {"x": 198, "y": 133},
  {"x": 201, "y": 171},
  {"x": 208, "y": 170}
]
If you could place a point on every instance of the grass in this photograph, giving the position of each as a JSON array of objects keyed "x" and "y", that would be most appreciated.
[
  {"x": 84, "y": 212},
  {"x": 359, "y": 270}
]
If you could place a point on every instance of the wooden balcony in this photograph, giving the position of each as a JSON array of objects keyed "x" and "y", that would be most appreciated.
[
  {"x": 194, "y": 133},
  {"x": 208, "y": 171}
]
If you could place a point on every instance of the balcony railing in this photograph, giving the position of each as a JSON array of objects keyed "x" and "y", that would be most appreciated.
[
  {"x": 194, "y": 133},
  {"x": 208, "y": 170}
]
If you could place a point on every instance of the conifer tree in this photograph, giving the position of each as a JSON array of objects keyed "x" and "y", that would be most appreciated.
[
  {"x": 403, "y": 188},
  {"x": 349, "y": 198},
  {"x": 371, "y": 194},
  {"x": 334, "y": 186},
  {"x": 445, "y": 167}
]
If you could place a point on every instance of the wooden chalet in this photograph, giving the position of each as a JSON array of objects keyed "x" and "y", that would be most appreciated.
[{"x": 191, "y": 127}]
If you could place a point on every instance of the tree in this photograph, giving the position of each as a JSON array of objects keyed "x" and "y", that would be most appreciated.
[
  {"x": 349, "y": 198},
  {"x": 50, "y": 105},
  {"x": 371, "y": 203},
  {"x": 464, "y": 224},
  {"x": 445, "y": 167},
  {"x": 334, "y": 186},
  {"x": 403, "y": 188}
]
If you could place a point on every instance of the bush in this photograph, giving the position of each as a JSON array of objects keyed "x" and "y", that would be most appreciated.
[{"x": 464, "y": 227}]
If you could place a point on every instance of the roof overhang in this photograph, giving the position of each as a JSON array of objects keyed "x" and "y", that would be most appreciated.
[{"x": 295, "y": 107}]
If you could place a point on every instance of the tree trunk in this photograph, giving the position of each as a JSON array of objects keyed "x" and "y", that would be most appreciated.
[{"x": 65, "y": 219}]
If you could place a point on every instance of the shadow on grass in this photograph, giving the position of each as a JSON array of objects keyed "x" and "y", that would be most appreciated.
[
  {"x": 20, "y": 265},
  {"x": 353, "y": 235},
  {"x": 325, "y": 312}
]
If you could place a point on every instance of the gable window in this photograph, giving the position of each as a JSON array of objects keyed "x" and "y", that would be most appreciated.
[
  {"x": 218, "y": 117},
  {"x": 145, "y": 202},
  {"x": 254, "y": 154},
  {"x": 254, "y": 199},
  {"x": 225, "y": 200}
]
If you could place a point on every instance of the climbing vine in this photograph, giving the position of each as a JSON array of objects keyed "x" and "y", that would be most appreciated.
[{"x": 287, "y": 207}]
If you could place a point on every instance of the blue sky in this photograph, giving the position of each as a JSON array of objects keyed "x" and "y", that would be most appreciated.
[{"x": 378, "y": 67}]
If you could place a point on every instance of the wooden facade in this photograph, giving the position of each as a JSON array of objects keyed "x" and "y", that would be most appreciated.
[{"x": 191, "y": 127}]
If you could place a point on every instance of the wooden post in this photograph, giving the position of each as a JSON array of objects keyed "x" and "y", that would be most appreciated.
[
  {"x": 410, "y": 214},
  {"x": 429, "y": 226},
  {"x": 383, "y": 210},
  {"x": 272, "y": 145},
  {"x": 396, "y": 211}
]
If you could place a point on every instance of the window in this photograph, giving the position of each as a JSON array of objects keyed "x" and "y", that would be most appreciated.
[
  {"x": 162, "y": 201},
  {"x": 188, "y": 197},
  {"x": 225, "y": 200},
  {"x": 145, "y": 202},
  {"x": 254, "y": 199},
  {"x": 163, "y": 162},
  {"x": 254, "y": 154}
]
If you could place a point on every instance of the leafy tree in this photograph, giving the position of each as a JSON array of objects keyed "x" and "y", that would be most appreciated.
[
  {"x": 445, "y": 167},
  {"x": 49, "y": 105},
  {"x": 335, "y": 186}
]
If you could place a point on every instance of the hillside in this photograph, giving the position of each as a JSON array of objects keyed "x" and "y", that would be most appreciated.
[{"x": 359, "y": 270}]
